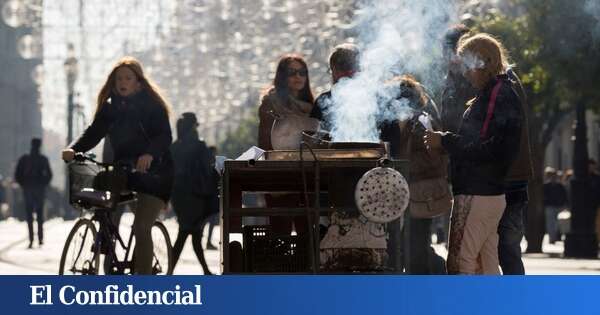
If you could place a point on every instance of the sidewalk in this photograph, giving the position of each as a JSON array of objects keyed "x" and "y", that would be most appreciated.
[
  {"x": 550, "y": 262},
  {"x": 15, "y": 258}
]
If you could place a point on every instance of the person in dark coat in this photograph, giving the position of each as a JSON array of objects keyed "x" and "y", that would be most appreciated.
[
  {"x": 455, "y": 94},
  {"x": 134, "y": 114},
  {"x": 33, "y": 173},
  {"x": 343, "y": 63},
  {"x": 193, "y": 186},
  {"x": 457, "y": 91}
]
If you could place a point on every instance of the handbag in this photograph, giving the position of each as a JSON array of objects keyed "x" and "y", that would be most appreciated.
[{"x": 429, "y": 197}]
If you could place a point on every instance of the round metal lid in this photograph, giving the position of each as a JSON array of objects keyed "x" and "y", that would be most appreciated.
[{"x": 382, "y": 195}]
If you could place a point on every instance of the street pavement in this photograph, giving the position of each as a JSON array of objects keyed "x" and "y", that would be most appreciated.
[{"x": 16, "y": 259}]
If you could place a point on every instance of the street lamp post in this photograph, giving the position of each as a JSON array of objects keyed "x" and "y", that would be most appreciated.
[
  {"x": 71, "y": 72},
  {"x": 581, "y": 241}
]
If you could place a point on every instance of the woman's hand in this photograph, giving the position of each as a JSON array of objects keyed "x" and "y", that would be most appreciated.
[
  {"x": 68, "y": 155},
  {"x": 143, "y": 163},
  {"x": 433, "y": 140}
]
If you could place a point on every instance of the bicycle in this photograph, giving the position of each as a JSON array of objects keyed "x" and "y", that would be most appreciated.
[{"x": 98, "y": 188}]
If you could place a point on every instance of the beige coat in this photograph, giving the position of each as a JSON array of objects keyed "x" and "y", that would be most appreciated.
[{"x": 281, "y": 122}]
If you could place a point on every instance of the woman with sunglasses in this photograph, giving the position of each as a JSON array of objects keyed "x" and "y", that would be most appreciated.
[
  {"x": 283, "y": 115},
  {"x": 285, "y": 106}
]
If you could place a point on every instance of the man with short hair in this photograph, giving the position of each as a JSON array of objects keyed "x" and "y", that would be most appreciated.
[
  {"x": 343, "y": 63},
  {"x": 33, "y": 174}
]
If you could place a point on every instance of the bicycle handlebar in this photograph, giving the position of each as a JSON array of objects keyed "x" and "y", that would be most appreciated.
[{"x": 82, "y": 157}]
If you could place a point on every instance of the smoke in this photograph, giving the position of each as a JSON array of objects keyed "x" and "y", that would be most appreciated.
[{"x": 396, "y": 37}]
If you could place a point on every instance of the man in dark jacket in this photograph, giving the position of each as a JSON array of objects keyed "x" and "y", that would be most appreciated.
[
  {"x": 455, "y": 95},
  {"x": 33, "y": 173},
  {"x": 457, "y": 91},
  {"x": 193, "y": 186},
  {"x": 343, "y": 63},
  {"x": 511, "y": 226}
]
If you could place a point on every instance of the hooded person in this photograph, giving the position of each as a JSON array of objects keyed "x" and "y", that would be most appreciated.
[
  {"x": 33, "y": 174},
  {"x": 193, "y": 186}
]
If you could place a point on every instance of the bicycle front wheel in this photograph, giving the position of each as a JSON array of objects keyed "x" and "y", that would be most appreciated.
[
  {"x": 162, "y": 260},
  {"x": 79, "y": 256}
]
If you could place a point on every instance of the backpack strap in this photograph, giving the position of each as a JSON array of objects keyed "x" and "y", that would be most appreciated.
[{"x": 490, "y": 111}]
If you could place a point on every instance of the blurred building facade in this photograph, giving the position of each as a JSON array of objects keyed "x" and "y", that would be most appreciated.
[
  {"x": 20, "y": 105},
  {"x": 559, "y": 152}
]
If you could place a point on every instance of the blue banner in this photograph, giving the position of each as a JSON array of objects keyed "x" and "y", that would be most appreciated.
[{"x": 300, "y": 295}]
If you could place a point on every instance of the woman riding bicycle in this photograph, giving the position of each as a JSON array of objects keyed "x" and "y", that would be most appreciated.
[{"x": 131, "y": 110}]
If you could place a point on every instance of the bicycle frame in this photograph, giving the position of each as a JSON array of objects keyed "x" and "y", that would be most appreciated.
[{"x": 109, "y": 233}]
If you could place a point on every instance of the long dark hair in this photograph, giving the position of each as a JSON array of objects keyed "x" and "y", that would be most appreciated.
[
  {"x": 147, "y": 85},
  {"x": 281, "y": 76}
]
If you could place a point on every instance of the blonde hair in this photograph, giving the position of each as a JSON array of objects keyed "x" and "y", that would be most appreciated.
[
  {"x": 134, "y": 65},
  {"x": 487, "y": 49}
]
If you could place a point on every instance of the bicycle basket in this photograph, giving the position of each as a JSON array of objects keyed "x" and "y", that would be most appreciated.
[{"x": 81, "y": 175}]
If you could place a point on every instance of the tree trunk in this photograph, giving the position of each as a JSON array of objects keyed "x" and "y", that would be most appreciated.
[
  {"x": 534, "y": 224},
  {"x": 541, "y": 128}
]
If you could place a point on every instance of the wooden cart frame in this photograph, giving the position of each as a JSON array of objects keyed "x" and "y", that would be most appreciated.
[{"x": 287, "y": 176}]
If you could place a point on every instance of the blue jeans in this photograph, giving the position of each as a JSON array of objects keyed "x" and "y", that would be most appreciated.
[
  {"x": 34, "y": 203},
  {"x": 551, "y": 213},
  {"x": 510, "y": 232}
]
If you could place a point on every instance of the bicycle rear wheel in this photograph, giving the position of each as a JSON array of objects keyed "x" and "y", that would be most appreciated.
[
  {"x": 162, "y": 260},
  {"x": 79, "y": 257}
]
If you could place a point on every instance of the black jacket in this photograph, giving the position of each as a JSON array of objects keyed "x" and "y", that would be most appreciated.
[
  {"x": 479, "y": 166},
  {"x": 457, "y": 92},
  {"x": 555, "y": 195},
  {"x": 194, "y": 170},
  {"x": 194, "y": 184},
  {"x": 321, "y": 110},
  {"x": 137, "y": 125},
  {"x": 33, "y": 170}
]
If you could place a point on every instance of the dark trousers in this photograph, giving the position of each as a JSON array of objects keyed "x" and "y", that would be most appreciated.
[
  {"x": 421, "y": 259},
  {"x": 510, "y": 232},
  {"x": 196, "y": 244},
  {"x": 34, "y": 202}
]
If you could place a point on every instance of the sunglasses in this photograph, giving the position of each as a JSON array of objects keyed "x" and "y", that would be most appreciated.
[{"x": 300, "y": 72}]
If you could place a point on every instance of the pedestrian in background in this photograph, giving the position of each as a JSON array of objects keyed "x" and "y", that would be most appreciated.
[
  {"x": 213, "y": 213},
  {"x": 555, "y": 199},
  {"x": 193, "y": 187},
  {"x": 33, "y": 174}
]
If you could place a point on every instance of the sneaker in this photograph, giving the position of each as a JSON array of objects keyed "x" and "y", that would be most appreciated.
[
  {"x": 41, "y": 243},
  {"x": 30, "y": 245}
]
